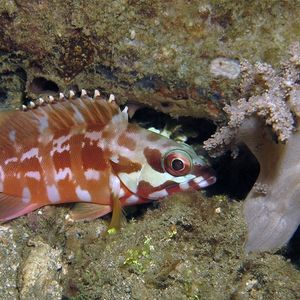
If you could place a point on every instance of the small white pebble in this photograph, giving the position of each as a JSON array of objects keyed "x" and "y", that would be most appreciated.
[
  {"x": 68, "y": 218},
  {"x": 251, "y": 283},
  {"x": 218, "y": 210},
  {"x": 132, "y": 34}
]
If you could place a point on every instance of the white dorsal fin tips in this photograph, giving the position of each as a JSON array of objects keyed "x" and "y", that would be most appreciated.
[
  {"x": 61, "y": 96},
  {"x": 125, "y": 110},
  {"x": 31, "y": 104},
  {"x": 71, "y": 94},
  {"x": 111, "y": 98},
  {"x": 50, "y": 99},
  {"x": 96, "y": 94},
  {"x": 40, "y": 101},
  {"x": 83, "y": 93}
]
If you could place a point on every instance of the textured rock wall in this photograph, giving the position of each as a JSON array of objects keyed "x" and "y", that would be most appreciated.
[{"x": 157, "y": 53}]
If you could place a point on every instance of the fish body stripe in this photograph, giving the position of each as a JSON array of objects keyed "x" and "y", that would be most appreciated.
[{"x": 83, "y": 167}]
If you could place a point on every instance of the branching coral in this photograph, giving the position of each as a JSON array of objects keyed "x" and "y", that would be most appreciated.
[{"x": 271, "y": 99}]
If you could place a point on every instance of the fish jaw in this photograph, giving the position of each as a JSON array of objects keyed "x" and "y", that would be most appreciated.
[
  {"x": 204, "y": 177},
  {"x": 200, "y": 177}
]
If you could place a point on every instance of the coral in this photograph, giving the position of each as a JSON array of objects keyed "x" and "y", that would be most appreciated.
[{"x": 270, "y": 99}]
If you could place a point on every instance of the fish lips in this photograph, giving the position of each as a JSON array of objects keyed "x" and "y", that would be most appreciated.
[{"x": 205, "y": 176}]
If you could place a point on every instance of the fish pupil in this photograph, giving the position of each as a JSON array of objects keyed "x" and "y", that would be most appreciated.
[{"x": 177, "y": 164}]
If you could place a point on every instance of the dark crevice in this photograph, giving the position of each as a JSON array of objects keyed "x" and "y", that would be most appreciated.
[
  {"x": 166, "y": 104},
  {"x": 292, "y": 249},
  {"x": 235, "y": 176},
  {"x": 42, "y": 85},
  {"x": 3, "y": 96}
]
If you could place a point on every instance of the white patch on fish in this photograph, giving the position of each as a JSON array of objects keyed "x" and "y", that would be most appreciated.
[
  {"x": 53, "y": 194},
  {"x": 43, "y": 123},
  {"x": 159, "y": 194},
  {"x": 93, "y": 135},
  {"x": 9, "y": 160},
  {"x": 83, "y": 195},
  {"x": 132, "y": 199},
  {"x": 63, "y": 174},
  {"x": 26, "y": 195},
  {"x": 33, "y": 152},
  {"x": 184, "y": 186},
  {"x": 92, "y": 174},
  {"x": 58, "y": 144},
  {"x": 12, "y": 136},
  {"x": 34, "y": 175}
]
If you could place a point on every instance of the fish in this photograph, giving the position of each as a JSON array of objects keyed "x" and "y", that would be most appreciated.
[{"x": 83, "y": 150}]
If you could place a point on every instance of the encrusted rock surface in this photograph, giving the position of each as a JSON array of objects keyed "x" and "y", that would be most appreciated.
[
  {"x": 10, "y": 259},
  {"x": 188, "y": 247},
  {"x": 156, "y": 53},
  {"x": 40, "y": 272}
]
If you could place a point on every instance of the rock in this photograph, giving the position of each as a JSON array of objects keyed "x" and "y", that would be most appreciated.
[
  {"x": 40, "y": 272},
  {"x": 159, "y": 56},
  {"x": 10, "y": 259}
]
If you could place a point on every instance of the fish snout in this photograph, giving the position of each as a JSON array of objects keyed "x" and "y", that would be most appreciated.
[{"x": 205, "y": 176}]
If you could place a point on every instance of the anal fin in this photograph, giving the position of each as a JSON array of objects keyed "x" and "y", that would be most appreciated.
[
  {"x": 12, "y": 207},
  {"x": 88, "y": 211}
]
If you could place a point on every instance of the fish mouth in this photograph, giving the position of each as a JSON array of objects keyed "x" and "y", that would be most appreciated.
[
  {"x": 202, "y": 182},
  {"x": 205, "y": 176}
]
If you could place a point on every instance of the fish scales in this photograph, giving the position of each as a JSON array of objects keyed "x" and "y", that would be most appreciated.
[{"x": 84, "y": 150}]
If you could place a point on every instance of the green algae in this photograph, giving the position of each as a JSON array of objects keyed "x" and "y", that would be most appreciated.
[{"x": 137, "y": 259}]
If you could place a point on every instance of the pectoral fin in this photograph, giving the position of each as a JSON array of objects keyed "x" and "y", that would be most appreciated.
[{"x": 89, "y": 211}]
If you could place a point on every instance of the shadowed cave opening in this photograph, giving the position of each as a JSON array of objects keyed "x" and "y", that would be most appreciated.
[{"x": 42, "y": 85}]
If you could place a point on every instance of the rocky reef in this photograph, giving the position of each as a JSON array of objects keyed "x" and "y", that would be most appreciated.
[
  {"x": 188, "y": 247},
  {"x": 189, "y": 60},
  {"x": 158, "y": 54}
]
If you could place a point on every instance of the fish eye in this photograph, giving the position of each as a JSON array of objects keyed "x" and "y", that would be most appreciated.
[{"x": 177, "y": 163}]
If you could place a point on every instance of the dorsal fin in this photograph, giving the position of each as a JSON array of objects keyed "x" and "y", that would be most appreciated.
[{"x": 74, "y": 114}]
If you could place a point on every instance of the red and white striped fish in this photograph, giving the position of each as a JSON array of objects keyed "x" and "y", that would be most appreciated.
[{"x": 84, "y": 150}]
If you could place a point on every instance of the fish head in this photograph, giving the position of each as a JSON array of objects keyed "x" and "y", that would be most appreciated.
[{"x": 167, "y": 167}]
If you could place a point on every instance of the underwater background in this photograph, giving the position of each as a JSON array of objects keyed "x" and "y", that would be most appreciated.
[{"x": 176, "y": 64}]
